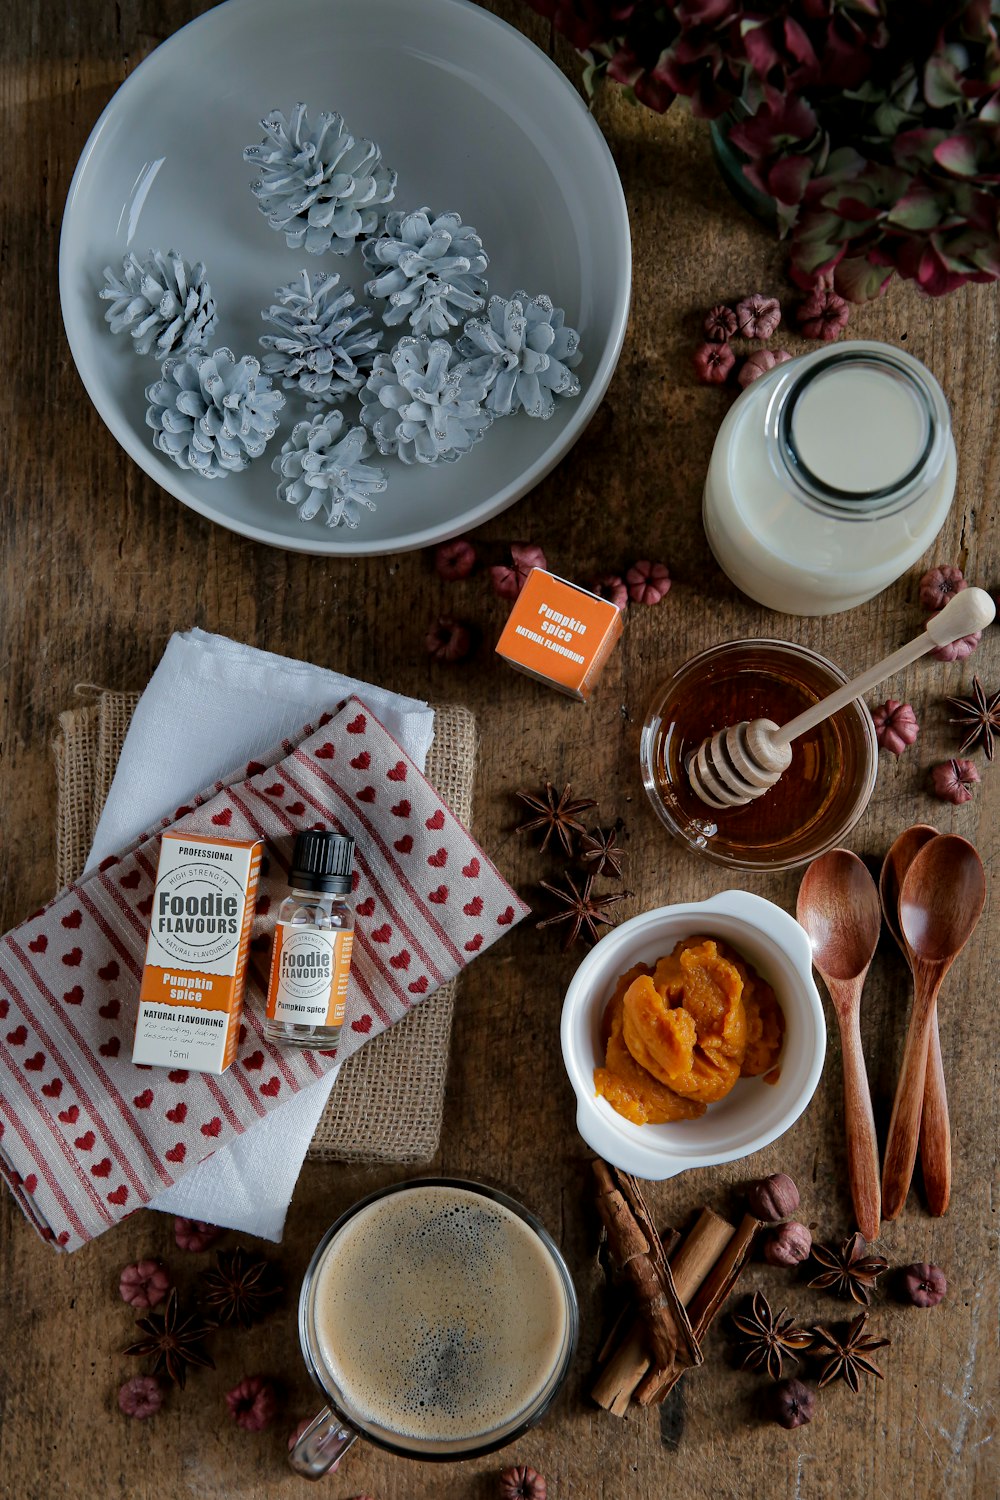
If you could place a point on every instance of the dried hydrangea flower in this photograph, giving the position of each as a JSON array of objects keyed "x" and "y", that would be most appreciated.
[
  {"x": 144, "y": 1284},
  {"x": 956, "y": 650},
  {"x": 713, "y": 363},
  {"x": 923, "y": 1285},
  {"x": 253, "y": 1403},
  {"x": 720, "y": 324},
  {"x": 953, "y": 780},
  {"x": 757, "y": 316},
  {"x": 509, "y": 578},
  {"x": 140, "y": 1397},
  {"x": 449, "y": 640},
  {"x": 648, "y": 582},
  {"x": 455, "y": 559},
  {"x": 939, "y": 585},
  {"x": 610, "y": 586},
  {"x": 823, "y": 315},
  {"x": 757, "y": 364},
  {"x": 896, "y": 725},
  {"x": 194, "y": 1235}
]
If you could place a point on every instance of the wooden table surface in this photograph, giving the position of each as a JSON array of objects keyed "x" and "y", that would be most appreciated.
[{"x": 98, "y": 566}]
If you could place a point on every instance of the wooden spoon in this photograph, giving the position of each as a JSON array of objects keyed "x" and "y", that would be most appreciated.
[
  {"x": 940, "y": 903},
  {"x": 838, "y": 906},
  {"x": 935, "y": 1126}
]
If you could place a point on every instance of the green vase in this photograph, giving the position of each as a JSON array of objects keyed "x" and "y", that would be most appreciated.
[{"x": 730, "y": 161}]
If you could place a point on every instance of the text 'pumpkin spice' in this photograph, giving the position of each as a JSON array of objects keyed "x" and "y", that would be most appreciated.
[{"x": 560, "y": 634}]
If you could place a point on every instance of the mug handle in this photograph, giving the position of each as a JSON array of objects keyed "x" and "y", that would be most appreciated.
[{"x": 321, "y": 1446}]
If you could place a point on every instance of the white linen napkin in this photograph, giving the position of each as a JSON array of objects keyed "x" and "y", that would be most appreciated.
[{"x": 211, "y": 705}]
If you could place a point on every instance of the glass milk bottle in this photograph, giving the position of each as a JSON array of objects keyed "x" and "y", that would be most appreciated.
[{"x": 830, "y": 476}]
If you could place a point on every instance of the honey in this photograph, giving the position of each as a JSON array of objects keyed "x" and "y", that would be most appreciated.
[{"x": 818, "y": 798}]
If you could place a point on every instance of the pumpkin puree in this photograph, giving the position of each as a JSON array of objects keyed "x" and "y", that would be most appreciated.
[{"x": 678, "y": 1035}]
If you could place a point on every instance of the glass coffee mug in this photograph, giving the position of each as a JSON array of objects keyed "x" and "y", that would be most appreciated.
[{"x": 439, "y": 1320}]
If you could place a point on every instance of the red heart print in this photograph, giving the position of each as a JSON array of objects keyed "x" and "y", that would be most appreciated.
[
  {"x": 271, "y": 1088},
  {"x": 274, "y": 790},
  {"x": 111, "y": 1047},
  {"x": 72, "y": 919},
  {"x": 35, "y": 1064},
  {"x": 474, "y": 944},
  {"x": 398, "y": 772},
  {"x": 145, "y": 906},
  {"x": 263, "y": 906},
  {"x": 471, "y": 870},
  {"x": 400, "y": 960},
  {"x": 63, "y": 1238},
  {"x": 182, "y": 812},
  {"x": 296, "y": 809},
  {"x": 382, "y": 934},
  {"x": 39, "y": 944},
  {"x": 403, "y": 845},
  {"x": 436, "y": 820},
  {"x": 72, "y": 958},
  {"x": 107, "y": 862},
  {"x": 74, "y": 996},
  {"x": 71, "y": 1115},
  {"x": 362, "y": 762},
  {"x": 318, "y": 827},
  {"x": 109, "y": 971},
  {"x": 131, "y": 880},
  {"x": 143, "y": 1100},
  {"x": 18, "y": 1036},
  {"x": 438, "y": 860},
  {"x": 366, "y": 794},
  {"x": 440, "y": 896},
  {"x": 109, "y": 1011},
  {"x": 474, "y": 907},
  {"x": 224, "y": 818},
  {"x": 254, "y": 1061},
  {"x": 176, "y": 1153},
  {"x": 325, "y": 718},
  {"x": 254, "y": 768},
  {"x": 325, "y": 752},
  {"x": 118, "y": 1196},
  {"x": 363, "y": 1024},
  {"x": 358, "y": 725},
  {"x": 401, "y": 810},
  {"x": 52, "y": 1090},
  {"x": 30, "y": 1183},
  {"x": 418, "y": 986},
  {"x": 178, "y": 1075},
  {"x": 178, "y": 1114},
  {"x": 85, "y": 1142},
  {"x": 506, "y": 917},
  {"x": 102, "y": 1168},
  {"x": 366, "y": 907},
  {"x": 212, "y": 1127},
  {"x": 4, "y": 1008}
]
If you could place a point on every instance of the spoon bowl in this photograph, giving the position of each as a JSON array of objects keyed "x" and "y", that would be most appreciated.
[{"x": 900, "y": 857}]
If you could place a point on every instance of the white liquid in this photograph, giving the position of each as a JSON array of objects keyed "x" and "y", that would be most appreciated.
[{"x": 858, "y": 430}]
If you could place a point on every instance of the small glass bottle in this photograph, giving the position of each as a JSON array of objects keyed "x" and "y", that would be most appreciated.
[{"x": 311, "y": 956}]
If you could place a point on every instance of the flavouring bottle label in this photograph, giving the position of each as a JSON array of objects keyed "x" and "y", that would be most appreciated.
[
  {"x": 313, "y": 940},
  {"x": 309, "y": 973}
]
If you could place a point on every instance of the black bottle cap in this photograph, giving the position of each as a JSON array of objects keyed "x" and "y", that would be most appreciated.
[{"x": 322, "y": 862}]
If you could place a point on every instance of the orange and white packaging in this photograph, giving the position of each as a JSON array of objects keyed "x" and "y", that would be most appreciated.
[
  {"x": 191, "y": 996},
  {"x": 560, "y": 634}
]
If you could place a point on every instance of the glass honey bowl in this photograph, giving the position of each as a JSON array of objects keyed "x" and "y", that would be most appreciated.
[{"x": 817, "y": 801}]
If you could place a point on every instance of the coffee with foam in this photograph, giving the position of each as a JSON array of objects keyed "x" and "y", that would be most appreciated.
[{"x": 441, "y": 1318}]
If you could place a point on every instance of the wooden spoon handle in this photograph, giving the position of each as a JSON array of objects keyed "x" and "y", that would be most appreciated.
[
  {"x": 935, "y": 1129},
  {"x": 904, "y": 1127},
  {"x": 862, "y": 1147}
]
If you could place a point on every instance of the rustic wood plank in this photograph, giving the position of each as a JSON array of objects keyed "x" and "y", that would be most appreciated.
[{"x": 97, "y": 566}]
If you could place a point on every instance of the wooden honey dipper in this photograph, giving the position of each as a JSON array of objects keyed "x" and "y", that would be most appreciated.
[{"x": 738, "y": 764}]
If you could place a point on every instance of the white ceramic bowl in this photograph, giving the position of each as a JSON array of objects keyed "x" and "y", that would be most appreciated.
[
  {"x": 754, "y": 1113},
  {"x": 472, "y": 116}
]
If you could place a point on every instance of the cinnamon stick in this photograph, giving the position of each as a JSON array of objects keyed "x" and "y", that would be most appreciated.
[{"x": 706, "y": 1302}]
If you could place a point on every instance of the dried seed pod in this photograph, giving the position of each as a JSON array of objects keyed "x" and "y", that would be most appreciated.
[
  {"x": 938, "y": 585},
  {"x": 253, "y": 1403},
  {"x": 713, "y": 363},
  {"x": 449, "y": 640},
  {"x": 792, "y": 1403},
  {"x": 922, "y": 1284},
  {"x": 610, "y": 586},
  {"x": 773, "y": 1198},
  {"x": 758, "y": 316},
  {"x": 145, "y": 1284},
  {"x": 455, "y": 559},
  {"x": 648, "y": 582},
  {"x": 895, "y": 725},
  {"x": 788, "y": 1245},
  {"x": 757, "y": 364},
  {"x": 953, "y": 780},
  {"x": 720, "y": 324},
  {"x": 140, "y": 1397}
]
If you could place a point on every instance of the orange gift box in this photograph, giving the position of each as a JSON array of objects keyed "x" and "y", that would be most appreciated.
[{"x": 560, "y": 634}]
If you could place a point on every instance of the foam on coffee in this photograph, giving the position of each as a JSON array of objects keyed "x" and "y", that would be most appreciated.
[{"x": 440, "y": 1315}]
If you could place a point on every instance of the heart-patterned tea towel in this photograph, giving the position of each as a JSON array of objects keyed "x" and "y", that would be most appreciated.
[{"x": 86, "y": 1136}]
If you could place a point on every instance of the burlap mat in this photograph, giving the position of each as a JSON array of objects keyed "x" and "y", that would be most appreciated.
[{"x": 388, "y": 1101}]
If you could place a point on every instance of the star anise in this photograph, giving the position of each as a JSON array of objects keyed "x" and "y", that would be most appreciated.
[
  {"x": 581, "y": 909},
  {"x": 175, "y": 1342},
  {"x": 557, "y": 815},
  {"x": 600, "y": 854},
  {"x": 768, "y": 1337},
  {"x": 241, "y": 1287},
  {"x": 848, "y": 1358},
  {"x": 980, "y": 718},
  {"x": 848, "y": 1271}
]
